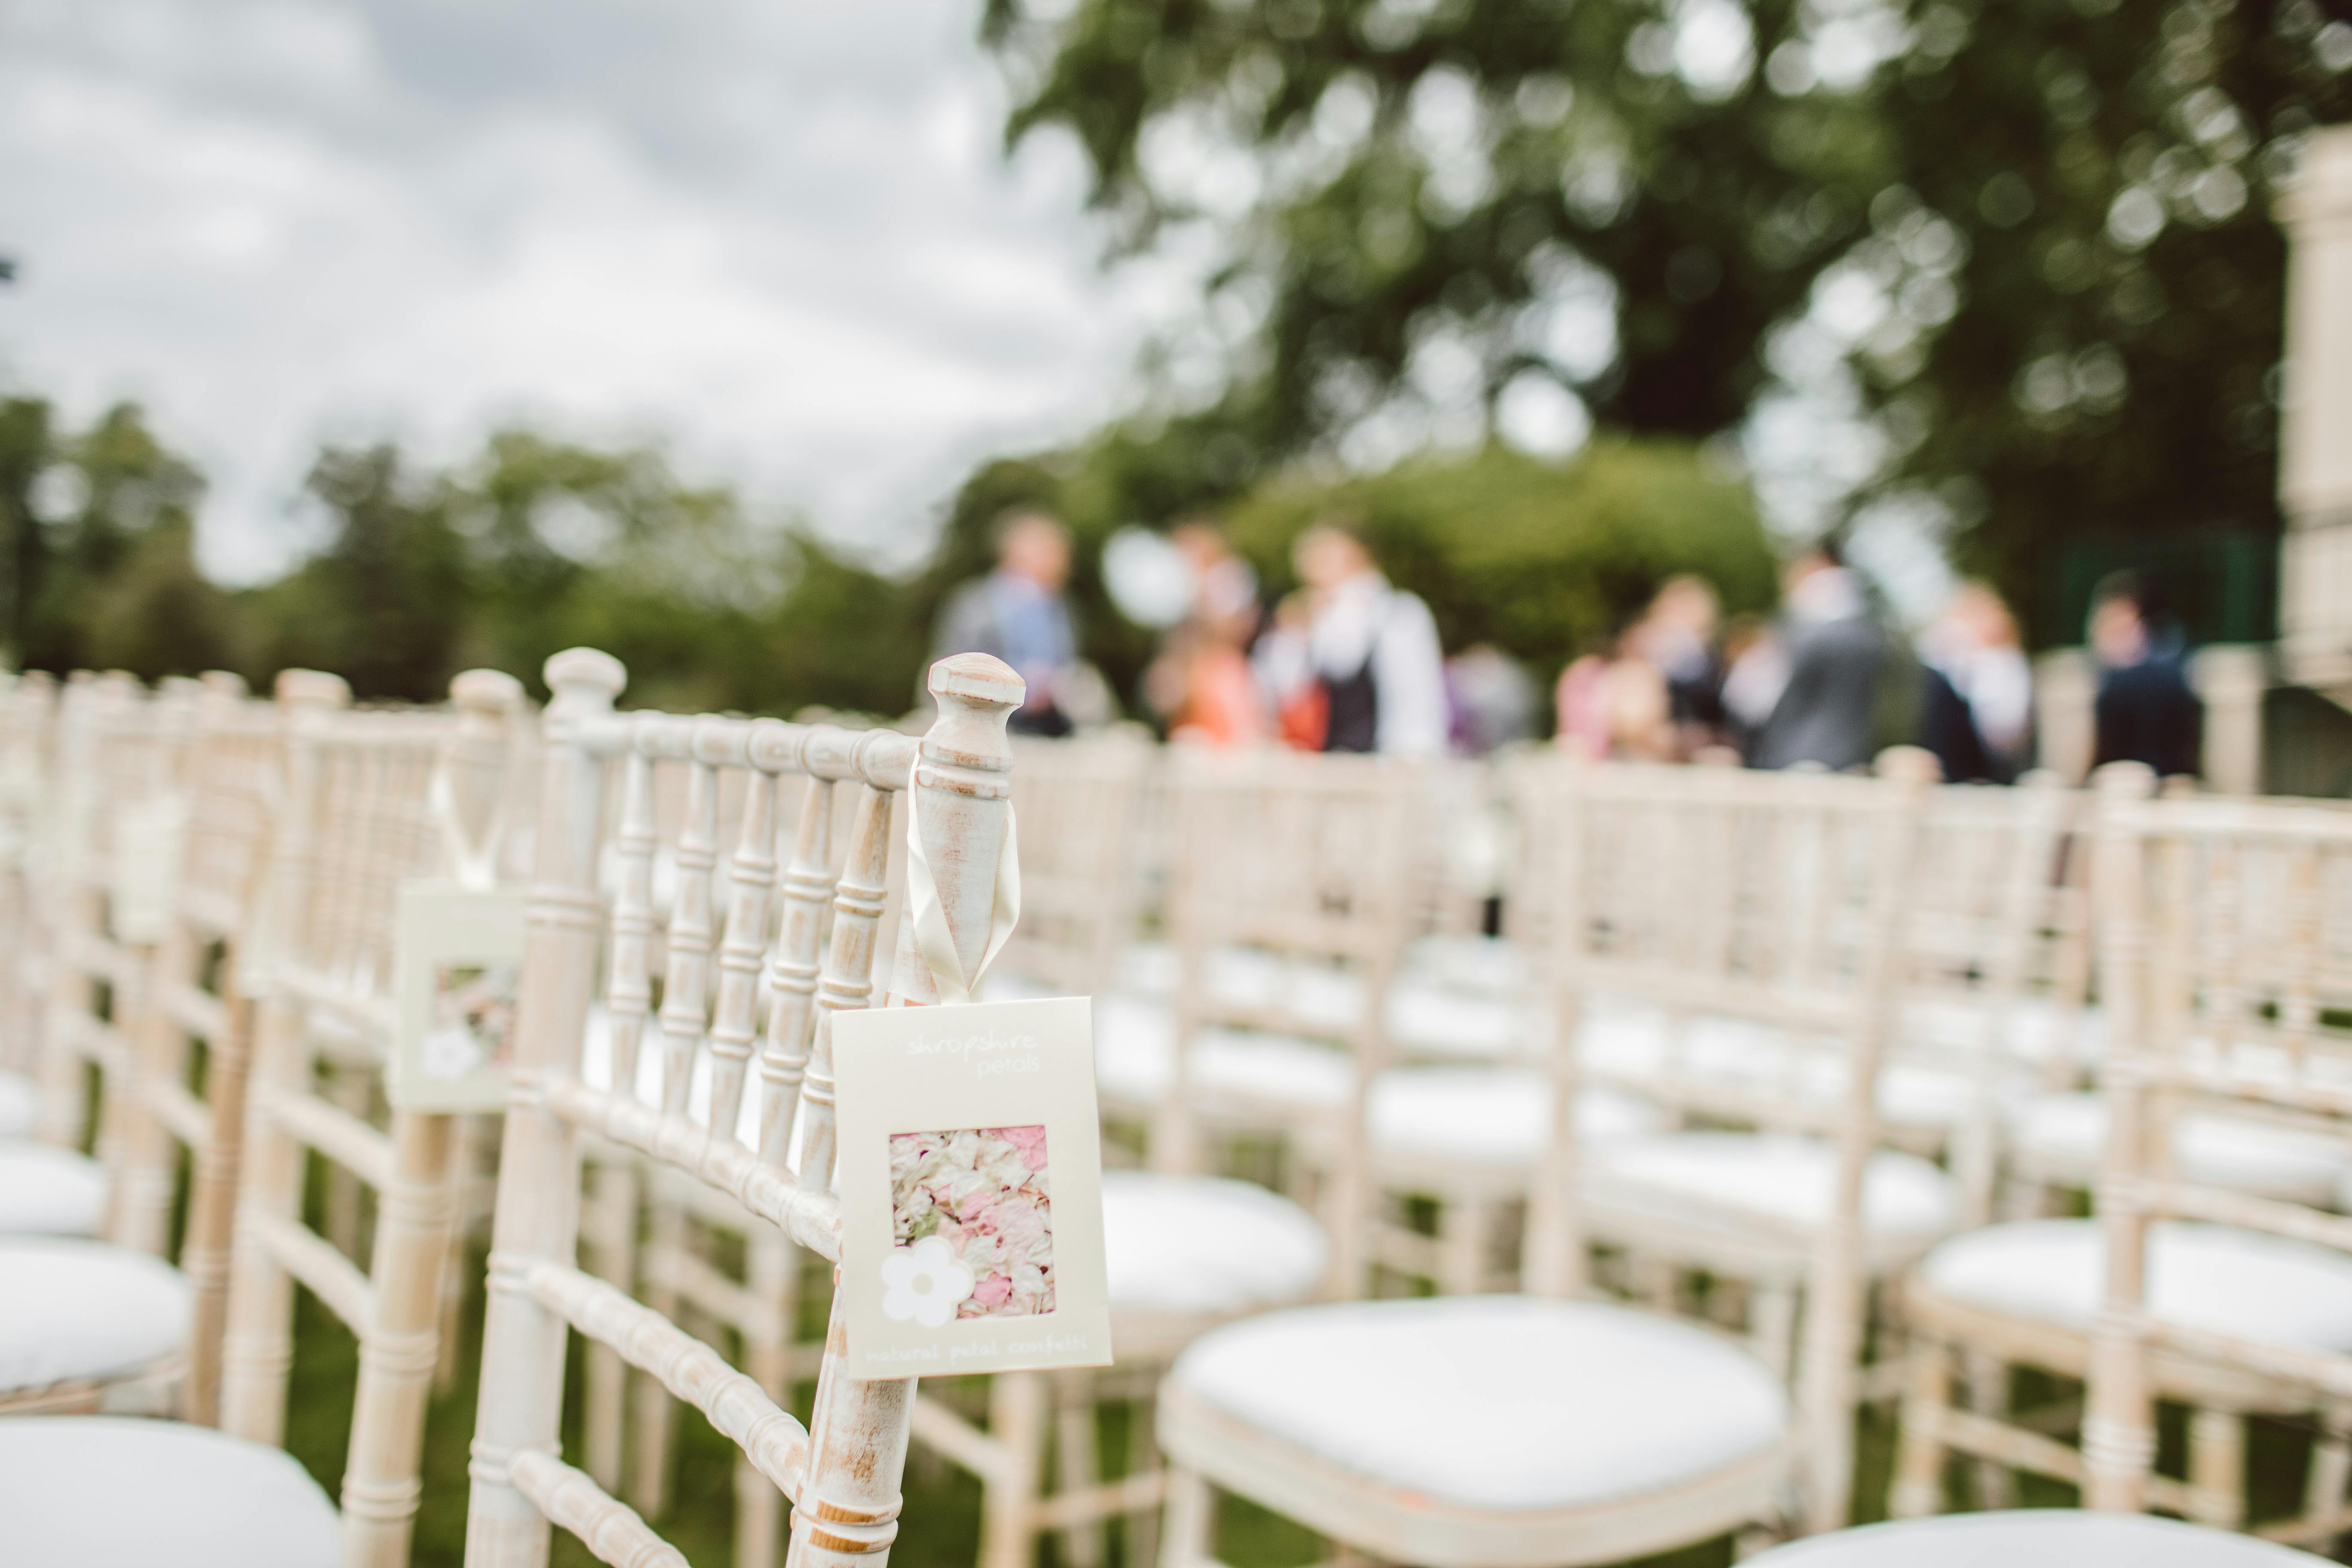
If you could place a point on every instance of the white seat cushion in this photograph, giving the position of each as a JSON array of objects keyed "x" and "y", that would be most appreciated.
[
  {"x": 20, "y": 1105},
  {"x": 2035, "y": 1538},
  {"x": 76, "y": 1309},
  {"x": 1500, "y": 1401},
  {"x": 92, "y": 1491},
  {"x": 2207, "y": 1277},
  {"x": 49, "y": 1191},
  {"x": 1631, "y": 1044},
  {"x": 1202, "y": 1244},
  {"x": 1437, "y": 1020},
  {"x": 2067, "y": 1133},
  {"x": 1135, "y": 1060},
  {"x": 1790, "y": 1180},
  {"x": 1493, "y": 965},
  {"x": 2037, "y": 1028},
  {"x": 1491, "y": 1116}
]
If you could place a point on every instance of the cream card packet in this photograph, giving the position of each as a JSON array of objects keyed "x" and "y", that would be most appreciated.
[
  {"x": 458, "y": 970},
  {"x": 970, "y": 1172}
]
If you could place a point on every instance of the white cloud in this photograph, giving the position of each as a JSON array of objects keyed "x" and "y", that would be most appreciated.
[{"x": 781, "y": 238}]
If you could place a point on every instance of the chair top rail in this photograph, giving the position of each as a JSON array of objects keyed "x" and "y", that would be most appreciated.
[{"x": 882, "y": 758}]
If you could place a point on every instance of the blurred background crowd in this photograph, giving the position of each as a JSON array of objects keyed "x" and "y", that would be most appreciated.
[{"x": 1664, "y": 378}]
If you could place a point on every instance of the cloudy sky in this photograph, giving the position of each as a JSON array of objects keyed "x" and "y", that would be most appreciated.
[{"x": 778, "y": 233}]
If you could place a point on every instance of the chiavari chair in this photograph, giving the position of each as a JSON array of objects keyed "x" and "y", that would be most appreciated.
[
  {"x": 1764, "y": 916},
  {"x": 347, "y": 822},
  {"x": 2035, "y": 1538},
  {"x": 372, "y": 798},
  {"x": 842, "y": 1472},
  {"x": 28, "y": 781},
  {"x": 1183, "y": 1252},
  {"x": 1483, "y": 1431},
  {"x": 692, "y": 1253},
  {"x": 2224, "y": 933}
]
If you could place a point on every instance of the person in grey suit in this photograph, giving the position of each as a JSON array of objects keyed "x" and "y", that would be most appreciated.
[
  {"x": 1017, "y": 614},
  {"x": 1836, "y": 657}
]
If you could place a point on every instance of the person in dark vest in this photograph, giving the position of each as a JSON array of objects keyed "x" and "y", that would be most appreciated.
[
  {"x": 1355, "y": 665},
  {"x": 2146, "y": 711}
]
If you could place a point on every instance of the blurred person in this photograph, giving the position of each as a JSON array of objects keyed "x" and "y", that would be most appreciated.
[
  {"x": 1755, "y": 673},
  {"x": 1974, "y": 645},
  {"x": 1353, "y": 663},
  {"x": 1017, "y": 614},
  {"x": 1201, "y": 679},
  {"x": 2146, "y": 711},
  {"x": 1676, "y": 637},
  {"x": 1494, "y": 700},
  {"x": 1615, "y": 705},
  {"x": 1827, "y": 711}
]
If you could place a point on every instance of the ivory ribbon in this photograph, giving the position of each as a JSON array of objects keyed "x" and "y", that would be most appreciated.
[
  {"x": 932, "y": 938},
  {"x": 474, "y": 866}
]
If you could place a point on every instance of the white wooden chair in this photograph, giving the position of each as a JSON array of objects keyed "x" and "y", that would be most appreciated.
[
  {"x": 114, "y": 755},
  {"x": 351, "y": 822},
  {"x": 1764, "y": 915},
  {"x": 1183, "y": 1252},
  {"x": 1291, "y": 902},
  {"x": 843, "y": 1472},
  {"x": 1481, "y": 1431},
  {"x": 27, "y": 794},
  {"x": 85, "y": 1323},
  {"x": 2035, "y": 1538},
  {"x": 358, "y": 820},
  {"x": 2225, "y": 938},
  {"x": 658, "y": 1233}
]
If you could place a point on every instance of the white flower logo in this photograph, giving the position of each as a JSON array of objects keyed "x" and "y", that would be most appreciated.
[{"x": 924, "y": 1282}]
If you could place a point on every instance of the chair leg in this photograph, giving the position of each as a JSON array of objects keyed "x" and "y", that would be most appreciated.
[
  {"x": 1918, "y": 1489},
  {"x": 348, "y": 1089},
  {"x": 656, "y": 1417},
  {"x": 770, "y": 1273},
  {"x": 1187, "y": 1527},
  {"x": 1016, "y": 1420},
  {"x": 2217, "y": 1469},
  {"x": 1463, "y": 1227},
  {"x": 1077, "y": 1466},
  {"x": 1143, "y": 1459},
  {"x": 610, "y": 1229},
  {"x": 1988, "y": 1382},
  {"x": 2331, "y": 1465},
  {"x": 1772, "y": 1325}
]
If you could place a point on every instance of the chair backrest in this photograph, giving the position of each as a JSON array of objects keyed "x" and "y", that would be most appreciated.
[
  {"x": 1081, "y": 884},
  {"x": 28, "y": 712},
  {"x": 1762, "y": 916},
  {"x": 1293, "y": 896},
  {"x": 842, "y": 1472},
  {"x": 361, "y": 813},
  {"x": 215, "y": 837},
  {"x": 118, "y": 752},
  {"x": 2224, "y": 931},
  {"x": 1982, "y": 997}
]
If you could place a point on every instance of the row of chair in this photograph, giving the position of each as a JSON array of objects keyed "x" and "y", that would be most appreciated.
[{"x": 1752, "y": 1052}]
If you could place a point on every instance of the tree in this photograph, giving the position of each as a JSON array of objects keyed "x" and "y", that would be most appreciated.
[
  {"x": 2063, "y": 204},
  {"x": 385, "y": 604}
]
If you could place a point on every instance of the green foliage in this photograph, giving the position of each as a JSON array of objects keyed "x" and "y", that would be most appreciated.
[
  {"x": 2066, "y": 201},
  {"x": 1543, "y": 560}
]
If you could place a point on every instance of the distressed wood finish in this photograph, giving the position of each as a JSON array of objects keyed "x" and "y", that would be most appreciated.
[
  {"x": 232, "y": 773},
  {"x": 1307, "y": 863},
  {"x": 372, "y": 798},
  {"x": 846, "y": 1489},
  {"x": 1776, "y": 899},
  {"x": 2224, "y": 941}
]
